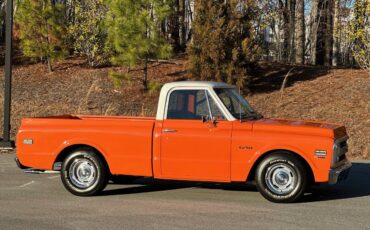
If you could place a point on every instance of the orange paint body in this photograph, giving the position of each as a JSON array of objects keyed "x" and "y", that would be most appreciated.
[{"x": 224, "y": 151}]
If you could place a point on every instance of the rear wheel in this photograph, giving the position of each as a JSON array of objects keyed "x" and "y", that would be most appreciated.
[
  {"x": 281, "y": 177},
  {"x": 84, "y": 173}
]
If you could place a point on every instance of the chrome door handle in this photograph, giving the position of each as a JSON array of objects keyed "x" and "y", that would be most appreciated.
[{"x": 169, "y": 131}]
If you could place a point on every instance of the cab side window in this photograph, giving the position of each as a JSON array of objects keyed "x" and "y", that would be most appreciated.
[
  {"x": 192, "y": 105},
  {"x": 187, "y": 105}
]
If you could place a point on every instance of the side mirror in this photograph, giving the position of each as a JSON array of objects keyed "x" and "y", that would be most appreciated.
[
  {"x": 209, "y": 120},
  {"x": 214, "y": 121},
  {"x": 205, "y": 118}
]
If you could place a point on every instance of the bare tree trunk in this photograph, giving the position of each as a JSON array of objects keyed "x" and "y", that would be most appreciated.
[
  {"x": 175, "y": 25},
  {"x": 324, "y": 34},
  {"x": 300, "y": 33},
  {"x": 314, "y": 29},
  {"x": 145, "y": 77},
  {"x": 189, "y": 18},
  {"x": 292, "y": 22},
  {"x": 329, "y": 34},
  {"x": 182, "y": 11},
  {"x": 289, "y": 25},
  {"x": 2, "y": 20},
  {"x": 286, "y": 31},
  {"x": 50, "y": 67},
  {"x": 336, "y": 33}
]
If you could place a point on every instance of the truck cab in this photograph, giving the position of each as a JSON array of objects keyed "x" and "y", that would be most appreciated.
[{"x": 203, "y": 131}]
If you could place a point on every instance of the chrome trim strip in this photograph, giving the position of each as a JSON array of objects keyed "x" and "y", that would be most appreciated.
[{"x": 169, "y": 131}]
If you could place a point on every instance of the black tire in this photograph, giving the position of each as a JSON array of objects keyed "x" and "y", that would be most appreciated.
[
  {"x": 281, "y": 177},
  {"x": 84, "y": 173},
  {"x": 121, "y": 179}
]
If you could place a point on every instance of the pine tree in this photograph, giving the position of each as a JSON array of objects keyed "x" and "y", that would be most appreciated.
[
  {"x": 134, "y": 32},
  {"x": 86, "y": 30},
  {"x": 42, "y": 30},
  {"x": 223, "y": 43}
]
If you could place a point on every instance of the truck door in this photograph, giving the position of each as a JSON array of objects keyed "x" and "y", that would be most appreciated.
[{"x": 193, "y": 145}]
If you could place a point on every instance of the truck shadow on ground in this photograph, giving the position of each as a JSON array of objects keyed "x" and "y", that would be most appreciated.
[{"x": 356, "y": 185}]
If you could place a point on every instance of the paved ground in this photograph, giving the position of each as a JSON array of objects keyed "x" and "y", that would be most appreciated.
[{"x": 41, "y": 202}]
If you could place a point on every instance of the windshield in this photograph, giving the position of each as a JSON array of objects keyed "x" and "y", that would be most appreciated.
[{"x": 236, "y": 104}]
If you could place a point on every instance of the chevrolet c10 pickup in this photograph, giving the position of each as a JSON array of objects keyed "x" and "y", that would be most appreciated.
[{"x": 203, "y": 131}]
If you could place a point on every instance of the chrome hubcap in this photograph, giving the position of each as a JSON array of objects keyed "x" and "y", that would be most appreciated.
[
  {"x": 82, "y": 173},
  {"x": 281, "y": 179}
]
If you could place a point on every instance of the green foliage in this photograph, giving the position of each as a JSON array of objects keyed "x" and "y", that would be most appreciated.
[
  {"x": 119, "y": 79},
  {"x": 360, "y": 33},
  {"x": 87, "y": 32},
  {"x": 223, "y": 41},
  {"x": 42, "y": 29},
  {"x": 154, "y": 87},
  {"x": 134, "y": 32}
]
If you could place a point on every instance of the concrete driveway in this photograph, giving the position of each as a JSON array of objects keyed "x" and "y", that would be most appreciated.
[{"x": 41, "y": 202}]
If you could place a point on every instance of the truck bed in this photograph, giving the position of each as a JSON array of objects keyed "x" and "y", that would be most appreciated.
[{"x": 125, "y": 142}]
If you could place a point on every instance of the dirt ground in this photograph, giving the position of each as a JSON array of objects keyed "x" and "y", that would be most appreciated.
[{"x": 313, "y": 93}]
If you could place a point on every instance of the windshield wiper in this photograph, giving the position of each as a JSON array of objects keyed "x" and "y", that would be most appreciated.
[
  {"x": 249, "y": 116},
  {"x": 259, "y": 116}
]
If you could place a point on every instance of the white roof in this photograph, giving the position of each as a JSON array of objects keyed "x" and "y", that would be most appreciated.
[
  {"x": 210, "y": 84},
  {"x": 166, "y": 89}
]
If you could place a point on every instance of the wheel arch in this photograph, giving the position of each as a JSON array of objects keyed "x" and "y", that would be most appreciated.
[
  {"x": 252, "y": 172},
  {"x": 67, "y": 150}
]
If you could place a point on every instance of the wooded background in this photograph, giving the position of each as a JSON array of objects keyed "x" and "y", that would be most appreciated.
[
  {"x": 223, "y": 38},
  {"x": 299, "y": 59}
]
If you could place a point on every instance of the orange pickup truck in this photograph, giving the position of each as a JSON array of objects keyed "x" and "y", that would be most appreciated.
[{"x": 203, "y": 131}]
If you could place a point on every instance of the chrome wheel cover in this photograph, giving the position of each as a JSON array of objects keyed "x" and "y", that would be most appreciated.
[
  {"x": 82, "y": 173},
  {"x": 281, "y": 179}
]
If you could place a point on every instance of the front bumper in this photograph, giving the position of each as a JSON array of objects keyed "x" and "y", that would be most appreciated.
[{"x": 340, "y": 173}]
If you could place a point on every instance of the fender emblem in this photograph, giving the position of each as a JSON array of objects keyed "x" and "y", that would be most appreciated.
[
  {"x": 28, "y": 141},
  {"x": 321, "y": 154},
  {"x": 245, "y": 147}
]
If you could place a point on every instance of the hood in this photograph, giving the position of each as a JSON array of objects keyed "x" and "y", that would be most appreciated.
[{"x": 315, "y": 128}]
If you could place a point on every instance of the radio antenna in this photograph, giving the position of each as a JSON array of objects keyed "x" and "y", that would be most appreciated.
[{"x": 240, "y": 107}]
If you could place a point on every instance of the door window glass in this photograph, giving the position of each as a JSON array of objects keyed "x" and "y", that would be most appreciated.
[{"x": 188, "y": 105}]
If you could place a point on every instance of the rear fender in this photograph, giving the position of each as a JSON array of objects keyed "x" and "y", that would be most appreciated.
[{"x": 69, "y": 143}]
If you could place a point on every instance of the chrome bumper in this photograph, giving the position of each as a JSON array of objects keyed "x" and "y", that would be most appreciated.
[{"x": 340, "y": 173}]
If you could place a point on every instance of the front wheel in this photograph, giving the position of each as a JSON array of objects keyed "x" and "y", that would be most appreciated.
[
  {"x": 281, "y": 177},
  {"x": 84, "y": 173}
]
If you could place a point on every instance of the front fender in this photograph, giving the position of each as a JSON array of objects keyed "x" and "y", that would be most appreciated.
[{"x": 271, "y": 148}]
